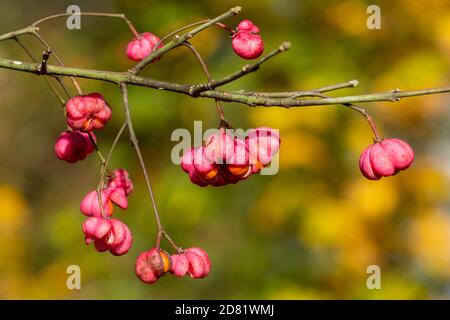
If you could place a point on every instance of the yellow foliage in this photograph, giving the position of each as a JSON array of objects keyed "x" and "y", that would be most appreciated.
[
  {"x": 358, "y": 136},
  {"x": 373, "y": 200},
  {"x": 53, "y": 278},
  {"x": 270, "y": 216},
  {"x": 12, "y": 210},
  {"x": 330, "y": 222},
  {"x": 355, "y": 258},
  {"x": 275, "y": 118},
  {"x": 442, "y": 34},
  {"x": 393, "y": 286},
  {"x": 429, "y": 241},
  {"x": 297, "y": 293},
  {"x": 428, "y": 184},
  {"x": 303, "y": 149},
  {"x": 349, "y": 16}
]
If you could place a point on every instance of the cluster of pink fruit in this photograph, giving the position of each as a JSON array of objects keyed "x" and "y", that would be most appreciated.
[
  {"x": 154, "y": 263},
  {"x": 246, "y": 42},
  {"x": 84, "y": 113},
  {"x": 221, "y": 160},
  {"x": 224, "y": 158},
  {"x": 108, "y": 234}
]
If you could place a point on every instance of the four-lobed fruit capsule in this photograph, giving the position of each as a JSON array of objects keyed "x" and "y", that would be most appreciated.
[
  {"x": 247, "y": 43},
  {"x": 385, "y": 158},
  {"x": 142, "y": 46}
]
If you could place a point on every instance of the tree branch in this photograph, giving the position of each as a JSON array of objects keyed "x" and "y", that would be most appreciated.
[{"x": 252, "y": 100}]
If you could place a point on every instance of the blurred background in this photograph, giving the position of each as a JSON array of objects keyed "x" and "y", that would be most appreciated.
[{"x": 309, "y": 232}]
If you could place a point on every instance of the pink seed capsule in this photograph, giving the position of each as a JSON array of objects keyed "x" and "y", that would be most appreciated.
[
  {"x": 119, "y": 240},
  {"x": 90, "y": 205},
  {"x": 263, "y": 143},
  {"x": 151, "y": 265},
  {"x": 72, "y": 146},
  {"x": 95, "y": 228},
  {"x": 138, "y": 49},
  {"x": 120, "y": 178},
  {"x": 108, "y": 234},
  {"x": 199, "y": 263},
  {"x": 219, "y": 148},
  {"x": 180, "y": 264},
  {"x": 246, "y": 42},
  {"x": 385, "y": 158},
  {"x": 119, "y": 197},
  {"x": 239, "y": 163},
  {"x": 87, "y": 112},
  {"x": 207, "y": 169},
  {"x": 187, "y": 160},
  {"x": 247, "y": 26}
]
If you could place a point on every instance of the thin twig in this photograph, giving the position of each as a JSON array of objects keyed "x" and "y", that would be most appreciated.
[
  {"x": 362, "y": 111},
  {"x": 189, "y": 26},
  {"x": 97, "y": 149},
  {"x": 208, "y": 77},
  {"x": 50, "y": 84},
  {"x": 104, "y": 166},
  {"x": 135, "y": 143},
  {"x": 15, "y": 34},
  {"x": 290, "y": 94},
  {"x": 93, "y": 14},
  {"x": 44, "y": 42},
  {"x": 179, "y": 40},
  {"x": 196, "y": 89}
]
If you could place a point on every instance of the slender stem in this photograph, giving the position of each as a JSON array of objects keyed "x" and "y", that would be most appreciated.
[
  {"x": 179, "y": 40},
  {"x": 293, "y": 94},
  {"x": 100, "y": 203},
  {"x": 44, "y": 42},
  {"x": 135, "y": 143},
  {"x": 160, "y": 234},
  {"x": 97, "y": 149},
  {"x": 208, "y": 77},
  {"x": 94, "y": 14},
  {"x": 127, "y": 78},
  {"x": 362, "y": 111},
  {"x": 189, "y": 26},
  {"x": 166, "y": 235},
  {"x": 225, "y": 27},
  {"x": 14, "y": 34},
  {"x": 368, "y": 118},
  {"x": 33, "y": 31},
  {"x": 349, "y": 84},
  {"x": 212, "y": 84},
  {"x": 52, "y": 87},
  {"x": 167, "y": 36},
  {"x": 104, "y": 166}
]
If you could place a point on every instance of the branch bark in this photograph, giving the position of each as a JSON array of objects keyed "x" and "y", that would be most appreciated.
[{"x": 228, "y": 96}]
